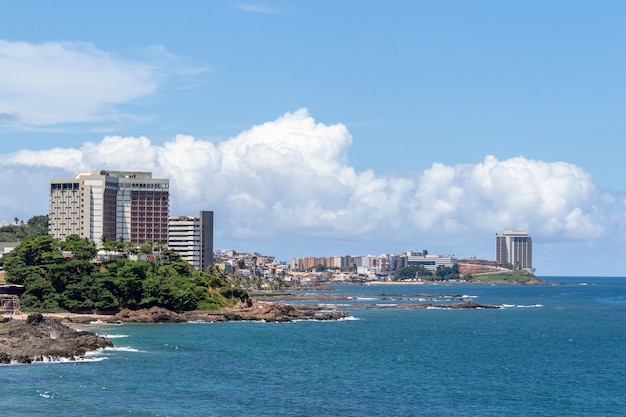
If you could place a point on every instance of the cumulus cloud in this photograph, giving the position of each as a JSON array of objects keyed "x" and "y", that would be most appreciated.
[
  {"x": 73, "y": 82},
  {"x": 292, "y": 177}
]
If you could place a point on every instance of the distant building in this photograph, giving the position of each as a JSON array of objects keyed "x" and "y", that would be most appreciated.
[
  {"x": 6, "y": 247},
  {"x": 192, "y": 238},
  {"x": 430, "y": 262},
  {"x": 110, "y": 205},
  {"x": 515, "y": 248}
]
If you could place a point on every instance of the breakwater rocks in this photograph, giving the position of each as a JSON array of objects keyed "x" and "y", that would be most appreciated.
[
  {"x": 149, "y": 315},
  {"x": 268, "y": 312},
  {"x": 44, "y": 339},
  {"x": 452, "y": 306}
]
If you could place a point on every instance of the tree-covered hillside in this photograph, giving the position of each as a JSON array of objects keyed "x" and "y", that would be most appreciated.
[
  {"x": 35, "y": 226},
  {"x": 55, "y": 281}
]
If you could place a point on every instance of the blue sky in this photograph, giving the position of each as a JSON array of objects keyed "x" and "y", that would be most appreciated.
[{"x": 324, "y": 128}]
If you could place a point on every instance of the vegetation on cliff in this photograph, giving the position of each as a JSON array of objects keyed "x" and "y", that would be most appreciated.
[
  {"x": 514, "y": 276},
  {"x": 35, "y": 226},
  {"x": 61, "y": 276},
  {"x": 443, "y": 273}
]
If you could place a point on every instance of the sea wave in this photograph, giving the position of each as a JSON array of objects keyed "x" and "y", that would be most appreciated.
[
  {"x": 123, "y": 349},
  {"x": 114, "y": 336},
  {"x": 46, "y": 359},
  {"x": 47, "y": 394},
  {"x": 333, "y": 306},
  {"x": 349, "y": 318}
]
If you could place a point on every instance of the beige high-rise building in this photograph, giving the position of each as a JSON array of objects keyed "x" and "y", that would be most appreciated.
[
  {"x": 109, "y": 205},
  {"x": 515, "y": 248}
]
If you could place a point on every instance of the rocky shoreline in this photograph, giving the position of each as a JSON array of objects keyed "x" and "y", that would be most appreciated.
[
  {"x": 50, "y": 337},
  {"x": 267, "y": 312},
  {"x": 44, "y": 339}
]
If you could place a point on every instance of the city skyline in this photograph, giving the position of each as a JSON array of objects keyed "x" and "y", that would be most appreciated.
[{"x": 334, "y": 128}]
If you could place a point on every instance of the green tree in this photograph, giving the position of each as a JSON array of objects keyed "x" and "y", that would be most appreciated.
[
  {"x": 40, "y": 294},
  {"x": 81, "y": 248},
  {"x": 422, "y": 271},
  {"x": 407, "y": 272},
  {"x": 36, "y": 226},
  {"x": 55, "y": 282},
  {"x": 33, "y": 253},
  {"x": 445, "y": 273},
  {"x": 129, "y": 280}
]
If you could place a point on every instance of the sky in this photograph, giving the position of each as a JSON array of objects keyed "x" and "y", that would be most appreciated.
[{"x": 323, "y": 128}]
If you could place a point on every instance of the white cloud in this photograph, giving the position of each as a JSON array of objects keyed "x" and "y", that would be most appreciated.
[
  {"x": 291, "y": 178},
  {"x": 74, "y": 82}
]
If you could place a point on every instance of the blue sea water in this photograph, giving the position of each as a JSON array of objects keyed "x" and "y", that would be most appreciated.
[{"x": 556, "y": 350}]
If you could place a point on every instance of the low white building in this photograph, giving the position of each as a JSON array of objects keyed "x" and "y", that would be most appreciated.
[{"x": 430, "y": 262}]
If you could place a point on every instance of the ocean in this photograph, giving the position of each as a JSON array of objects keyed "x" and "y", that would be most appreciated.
[{"x": 554, "y": 350}]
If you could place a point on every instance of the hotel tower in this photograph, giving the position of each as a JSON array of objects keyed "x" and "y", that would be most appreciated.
[
  {"x": 109, "y": 205},
  {"x": 515, "y": 247}
]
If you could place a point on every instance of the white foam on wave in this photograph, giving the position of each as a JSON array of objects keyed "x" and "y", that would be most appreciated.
[
  {"x": 333, "y": 306},
  {"x": 469, "y": 296},
  {"x": 348, "y": 318},
  {"x": 107, "y": 350},
  {"x": 114, "y": 336},
  {"x": 529, "y": 306},
  {"x": 58, "y": 360},
  {"x": 366, "y": 298},
  {"x": 122, "y": 349}
]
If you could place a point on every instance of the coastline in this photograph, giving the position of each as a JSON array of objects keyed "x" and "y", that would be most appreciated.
[
  {"x": 533, "y": 282},
  {"x": 68, "y": 319}
]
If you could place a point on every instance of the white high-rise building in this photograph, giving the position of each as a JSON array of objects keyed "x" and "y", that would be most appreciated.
[{"x": 192, "y": 238}]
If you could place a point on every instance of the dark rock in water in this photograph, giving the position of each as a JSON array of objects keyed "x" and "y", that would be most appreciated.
[
  {"x": 471, "y": 304},
  {"x": 269, "y": 312},
  {"x": 44, "y": 339},
  {"x": 151, "y": 315}
]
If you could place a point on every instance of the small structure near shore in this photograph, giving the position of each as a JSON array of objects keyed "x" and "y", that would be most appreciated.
[{"x": 10, "y": 299}]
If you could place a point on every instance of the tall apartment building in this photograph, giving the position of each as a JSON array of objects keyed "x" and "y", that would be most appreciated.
[
  {"x": 515, "y": 247},
  {"x": 192, "y": 238},
  {"x": 109, "y": 205}
]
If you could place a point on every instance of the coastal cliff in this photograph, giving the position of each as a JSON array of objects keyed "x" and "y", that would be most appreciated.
[{"x": 39, "y": 339}]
